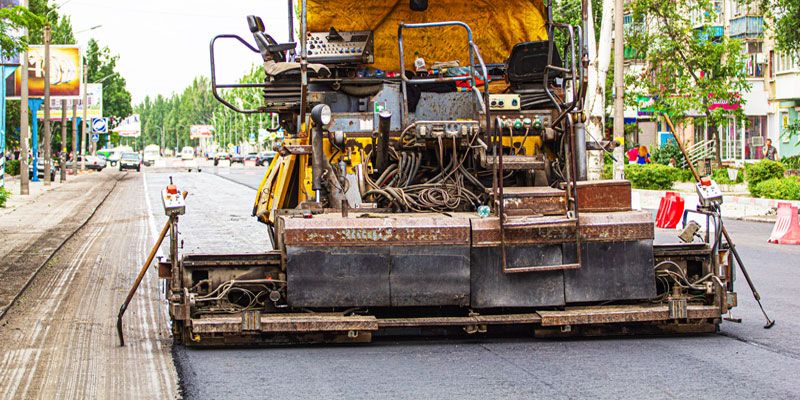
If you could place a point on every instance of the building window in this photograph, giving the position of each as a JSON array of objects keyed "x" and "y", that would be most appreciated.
[
  {"x": 754, "y": 61},
  {"x": 754, "y": 137},
  {"x": 785, "y": 62}
]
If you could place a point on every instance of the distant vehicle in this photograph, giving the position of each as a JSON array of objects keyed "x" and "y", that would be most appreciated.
[
  {"x": 237, "y": 158},
  {"x": 95, "y": 162},
  {"x": 116, "y": 153},
  {"x": 251, "y": 157},
  {"x": 40, "y": 170},
  {"x": 221, "y": 156},
  {"x": 130, "y": 161},
  {"x": 187, "y": 153},
  {"x": 265, "y": 158},
  {"x": 151, "y": 153}
]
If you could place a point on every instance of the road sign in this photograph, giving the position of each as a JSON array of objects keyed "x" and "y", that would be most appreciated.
[
  {"x": 99, "y": 125},
  {"x": 252, "y": 138},
  {"x": 95, "y": 137}
]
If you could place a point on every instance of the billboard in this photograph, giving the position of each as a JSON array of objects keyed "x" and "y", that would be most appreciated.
[
  {"x": 65, "y": 73},
  {"x": 94, "y": 108},
  {"x": 200, "y": 131},
  {"x": 129, "y": 127}
]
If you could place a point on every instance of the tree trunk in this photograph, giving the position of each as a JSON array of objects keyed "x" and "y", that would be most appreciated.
[
  {"x": 595, "y": 105},
  {"x": 714, "y": 134}
]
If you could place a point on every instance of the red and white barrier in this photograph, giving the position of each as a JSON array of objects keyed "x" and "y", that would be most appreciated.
[
  {"x": 787, "y": 228},
  {"x": 670, "y": 210}
]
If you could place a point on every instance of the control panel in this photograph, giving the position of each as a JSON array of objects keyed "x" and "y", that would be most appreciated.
[
  {"x": 446, "y": 129},
  {"x": 174, "y": 203},
  {"x": 499, "y": 102},
  {"x": 708, "y": 192},
  {"x": 340, "y": 47}
]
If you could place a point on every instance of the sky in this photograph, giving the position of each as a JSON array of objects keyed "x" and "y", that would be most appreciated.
[{"x": 164, "y": 44}]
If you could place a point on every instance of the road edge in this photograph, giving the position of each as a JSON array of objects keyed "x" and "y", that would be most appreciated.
[{"x": 49, "y": 258}]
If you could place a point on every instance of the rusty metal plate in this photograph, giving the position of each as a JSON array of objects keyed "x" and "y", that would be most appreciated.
[
  {"x": 620, "y": 314},
  {"x": 251, "y": 320},
  {"x": 502, "y": 319},
  {"x": 618, "y": 270},
  {"x": 604, "y": 196},
  {"x": 595, "y": 227},
  {"x": 294, "y": 149},
  {"x": 287, "y": 323},
  {"x": 396, "y": 229},
  {"x": 535, "y": 200}
]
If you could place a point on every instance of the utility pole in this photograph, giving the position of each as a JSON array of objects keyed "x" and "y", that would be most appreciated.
[
  {"x": 83, "y": 122},
  {"x": 74, "y": 137},
  {"x": 619, "y": 88},
  {"x": 62, "y": 160},
  {"x": 24, "y": 186},
  {"x": 46, "y": 155}
]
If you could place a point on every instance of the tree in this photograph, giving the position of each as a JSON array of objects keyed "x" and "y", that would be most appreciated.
[
  {"x": 13, "y": 19},
  {"x": 101, "y": 67},
  {"x": 595, "y": 105},
  {"x": 785, "y": 23},
  {"x": 691, "y": 69}
]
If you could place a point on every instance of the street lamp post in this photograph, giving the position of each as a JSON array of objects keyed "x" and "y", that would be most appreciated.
[{"x": 46, "y": 146}]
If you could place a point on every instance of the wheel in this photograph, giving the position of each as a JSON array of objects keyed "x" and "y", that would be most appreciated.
[
  {"x": 216, "y": 163},
  {"x": 120, "y": 167},
  {"x": 139, "y": 169}
]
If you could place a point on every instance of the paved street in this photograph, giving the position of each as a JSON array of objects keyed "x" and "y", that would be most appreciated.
[{"x": 59, "y": 339}]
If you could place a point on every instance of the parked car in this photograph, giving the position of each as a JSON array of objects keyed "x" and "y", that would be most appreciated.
[
  {"x": 95, "y": 162},
  {"x": 130, "y": 161},
  {"x": 237, "y": 158},
  {"x": 187, "y": 153},
  {"x": 220, "y": 157},
  {"x": 40, "y": 170},
  {"x": 265, "y": 158},
  {"x": 251, "y": 157}
]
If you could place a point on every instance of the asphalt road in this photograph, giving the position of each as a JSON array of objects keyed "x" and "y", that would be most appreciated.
[{"x": 741, "y": 361}]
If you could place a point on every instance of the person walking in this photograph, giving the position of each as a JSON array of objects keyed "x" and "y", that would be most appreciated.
[{"x": 644, "y": 156}]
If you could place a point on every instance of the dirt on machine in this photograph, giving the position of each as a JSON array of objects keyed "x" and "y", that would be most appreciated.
[{"x": 433, "y": 178}]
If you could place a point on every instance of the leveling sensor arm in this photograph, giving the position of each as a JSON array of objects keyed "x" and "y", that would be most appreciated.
[{"x": 770, "y": 322}]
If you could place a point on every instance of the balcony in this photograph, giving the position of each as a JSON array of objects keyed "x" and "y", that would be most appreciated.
[{"x": 747, "y": 27}]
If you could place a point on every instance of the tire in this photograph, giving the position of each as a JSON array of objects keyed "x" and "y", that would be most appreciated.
[{"x": 120, "y": 167}]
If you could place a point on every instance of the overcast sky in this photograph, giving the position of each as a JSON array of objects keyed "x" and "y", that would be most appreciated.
[{"x": 164, "y": 44}]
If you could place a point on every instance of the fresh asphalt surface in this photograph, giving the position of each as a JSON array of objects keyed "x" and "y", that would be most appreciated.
[{"x": 741, "y": 361}]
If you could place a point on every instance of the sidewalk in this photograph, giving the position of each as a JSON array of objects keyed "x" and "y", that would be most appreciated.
[
  {"x": 33, "y": 227},
  {"x": 35, "y": 189}
]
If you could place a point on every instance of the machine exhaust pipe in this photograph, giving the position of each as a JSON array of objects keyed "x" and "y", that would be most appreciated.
[
  {"x": 384, "y": 124},
  {"x": 317, "y": 162},
  {"x": 580, "y": 152}
]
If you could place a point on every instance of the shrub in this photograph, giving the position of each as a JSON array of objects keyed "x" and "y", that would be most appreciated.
[
  {"x": 683, "y": 175},
  {"x": 792, "y": 162},
  {"x": 651, "y": 176},
  {"x": 762, "y": 171},
  {"x": 778, "y": 188},
  {"x": 12, "y": 167},
  {"x": 663, "y": 154},
  {"x": 721, "y": 176},
  {"x": 4, "y": 195}
]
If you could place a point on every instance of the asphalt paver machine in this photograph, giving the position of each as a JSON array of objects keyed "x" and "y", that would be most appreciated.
[{"x": 433, "y": 178}]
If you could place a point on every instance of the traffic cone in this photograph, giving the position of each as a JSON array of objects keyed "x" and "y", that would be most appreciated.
[
  {"x": 786, "y": 229},
  {"x": 674, "y": 212},
  {"x": 663, "y": 207}
]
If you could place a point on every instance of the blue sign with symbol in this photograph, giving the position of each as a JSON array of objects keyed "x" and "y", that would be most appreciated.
[
  {"x": 99, "y": 125},
  {"x": 95, "y": 138}
]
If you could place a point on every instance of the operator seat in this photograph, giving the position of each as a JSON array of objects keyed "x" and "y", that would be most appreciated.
[
  {"x": 274, "y": 54},
  {"x": 527, "y": 63}
]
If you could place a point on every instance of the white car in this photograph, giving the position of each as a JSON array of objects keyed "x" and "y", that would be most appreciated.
[
  {"x": 187, "y": 153},
  {"x": 95, "y": 162}
]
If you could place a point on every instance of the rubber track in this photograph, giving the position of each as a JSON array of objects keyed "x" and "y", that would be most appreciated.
[{"x": 57, "y": 249}]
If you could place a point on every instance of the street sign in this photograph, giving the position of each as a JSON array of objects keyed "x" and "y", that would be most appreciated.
[
  {"x": 99, "y": 125},
  {"x": 252, "y": 138},
  {"x": 95, "y": 137}
]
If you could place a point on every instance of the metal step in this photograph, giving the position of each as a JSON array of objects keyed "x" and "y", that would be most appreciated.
[{"x": 517, "y": 162}]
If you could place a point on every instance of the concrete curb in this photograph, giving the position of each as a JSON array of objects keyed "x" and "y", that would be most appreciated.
[{"x": 735, "y": 207}]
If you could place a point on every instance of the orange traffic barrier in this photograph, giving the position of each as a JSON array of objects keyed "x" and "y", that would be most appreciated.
[
  {"x": 787, "y": 228},
  {"x": 670, "y": 210}
]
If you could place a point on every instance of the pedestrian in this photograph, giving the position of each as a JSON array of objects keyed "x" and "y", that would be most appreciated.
[
  {"x": 632, "y": 153},
  {"x": 644, "y": 156},
  {"x": 672, "y": 162},
  {"x": 770, "y": 152}
]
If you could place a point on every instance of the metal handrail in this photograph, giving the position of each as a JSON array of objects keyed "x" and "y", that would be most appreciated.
[{"x": 214, "y": 84}]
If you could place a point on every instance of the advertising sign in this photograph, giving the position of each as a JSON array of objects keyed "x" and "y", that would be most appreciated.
[
  {"x": 129, "y": 127},
  {"x": 200, "y": 131},
  {"x": 94, "y": 101},
  {"x": 65, "y": 73}
]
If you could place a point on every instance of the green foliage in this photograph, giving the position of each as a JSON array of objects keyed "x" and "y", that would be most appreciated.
[
  {"x": 762, "y": 171},
  {"x": 4, "y": 195},
  {"x": 683, "y": 175},
  {"x": 608, "y": 166},
  {"x": 662, "y": 154},
  {"x": 785, "y": 25},
  {"x": 12, "y": 167},
  {"x": 792, "y": 162},
  {"x": 651, "y": 176},
  {"x": 721, "y": 176},
  {"x": 778, "y": 188},
  {"x": 101, "y": 66},
  {"x": 11, "y": 20},
  {"x": 689, "y": 70}
]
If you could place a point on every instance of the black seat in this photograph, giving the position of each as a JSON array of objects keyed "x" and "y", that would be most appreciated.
[
  {"x": 527, "y": 63},
  {"x": 267, "y": 46}
]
